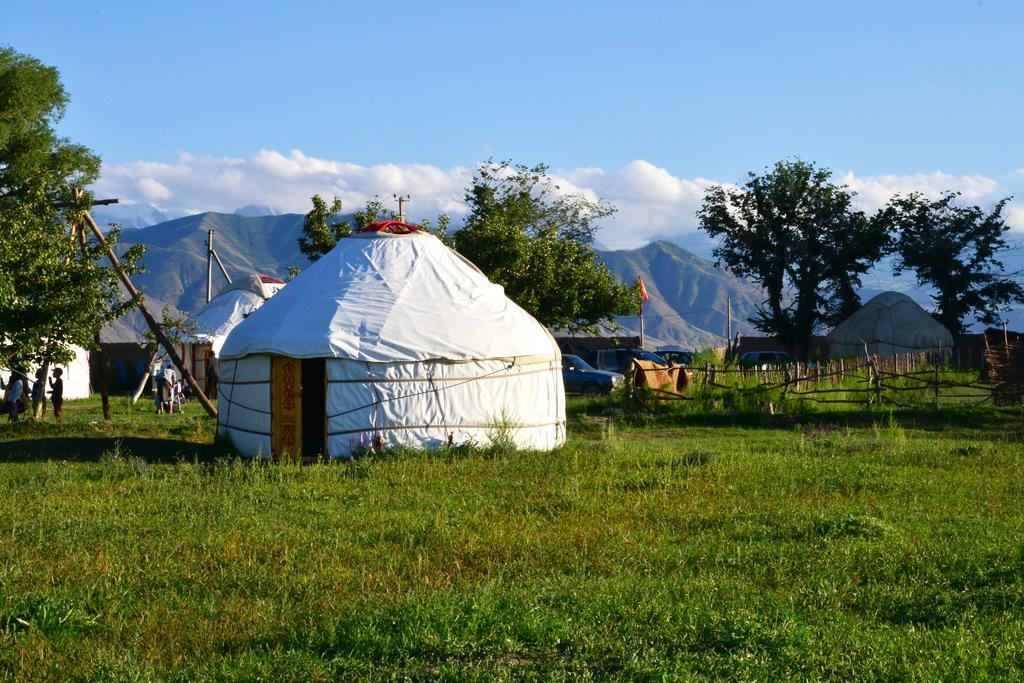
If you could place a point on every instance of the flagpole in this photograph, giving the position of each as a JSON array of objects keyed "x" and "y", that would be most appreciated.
[{"x": 641, "y": 323}]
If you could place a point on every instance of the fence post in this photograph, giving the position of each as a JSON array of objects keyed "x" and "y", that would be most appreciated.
[
  {"x": 871, "y": 376},
  {"x": 878, "y": 389}
]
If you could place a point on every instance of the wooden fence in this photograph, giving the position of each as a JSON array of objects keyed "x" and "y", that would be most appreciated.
[{"x": 899, "y": 380}]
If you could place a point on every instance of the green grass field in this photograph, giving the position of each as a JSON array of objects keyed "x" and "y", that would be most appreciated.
[{"x": 854, "y": 546}]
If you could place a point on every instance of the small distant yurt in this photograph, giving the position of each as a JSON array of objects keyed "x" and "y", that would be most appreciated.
[
  {"x": 391, "y": 339},
  {"x": 232, "y": 305},
  {"x": 890, "y": 323},
  {"x": 76, "y": 378},
  {"x": 215, "y": 320}
]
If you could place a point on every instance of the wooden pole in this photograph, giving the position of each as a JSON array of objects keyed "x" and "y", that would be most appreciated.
[
  {"x": 728, "y": 327},
  {"x": 145, "y": 377},
  {"x": 220, "y": 264},
  {"x": 157, "y": 332},
  {"x": 101, "y": 357},
  {"x": 641, "y": 323},
  {"x": 209, "y": 265}
]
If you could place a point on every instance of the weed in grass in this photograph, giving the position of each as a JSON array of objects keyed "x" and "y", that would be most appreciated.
[
  {"x": 501, "y": 435},
  {"x": 848, "y": 526}
]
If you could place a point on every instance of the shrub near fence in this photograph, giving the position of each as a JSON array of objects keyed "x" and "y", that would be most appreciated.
[{"x": 904, "y": 380}]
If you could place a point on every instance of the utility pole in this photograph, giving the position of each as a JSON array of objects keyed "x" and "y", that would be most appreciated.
[
  {"x": 211, "y": 255},
  {"x": 401, "y": 206},
  {"x": 209, "y": 265},
  {"x": 150, "y": 320},
  {"x": 728, "y": 327}
]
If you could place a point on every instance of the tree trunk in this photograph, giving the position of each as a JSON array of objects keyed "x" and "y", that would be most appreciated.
[{"x": 102, "y": 368}]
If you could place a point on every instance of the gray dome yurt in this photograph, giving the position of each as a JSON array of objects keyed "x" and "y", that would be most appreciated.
[{"x": 890, "y": 323}]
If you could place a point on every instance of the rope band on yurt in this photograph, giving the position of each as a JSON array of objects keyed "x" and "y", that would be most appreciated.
[
  {"x": 245, "y": 407},
  {"x": 420, "y": 393},
  {"x": 229, "y": 399},
  {"x": 436, "y": 380},
  {"x": 437, "y": 398},
  {"x": 344, "y": 432}
]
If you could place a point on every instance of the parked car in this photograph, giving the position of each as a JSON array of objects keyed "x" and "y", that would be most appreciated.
[
  {"x": 752, "y": 358},
  {"x": 676, "y": 355},
  {"x": 580, "y": 378},
  {"x": 617, "y": 360}
]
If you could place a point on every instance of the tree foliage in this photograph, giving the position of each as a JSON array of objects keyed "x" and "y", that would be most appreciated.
[
  {"x": 954, "y": 249},
  {"x": 52, "y": 294},
  {"x": 536, "y": 242},
  {"x": 796, "y": 234},
  {"x": 322, "y": 227}
]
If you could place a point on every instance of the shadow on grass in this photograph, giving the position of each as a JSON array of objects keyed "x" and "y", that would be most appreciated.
[{"x": 91, "y": 449}]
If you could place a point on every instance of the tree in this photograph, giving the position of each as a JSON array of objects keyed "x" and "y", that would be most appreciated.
[
  {"x": 954, "y": 249},
  {"x": 54, "y": 294},
  {"x": 795, "y": 233},
  {"x": 535, "y": 242},
  {"x": 322, "y": 228}
]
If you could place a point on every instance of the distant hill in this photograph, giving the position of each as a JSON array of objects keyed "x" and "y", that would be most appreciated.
[
  {"x": 129, "y": 216},
  {"x": 688, "y": 293},
  {"x": 176, "y": 253}
]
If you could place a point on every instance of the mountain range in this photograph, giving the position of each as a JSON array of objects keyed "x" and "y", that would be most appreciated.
[{"x": 689, "y": 296}]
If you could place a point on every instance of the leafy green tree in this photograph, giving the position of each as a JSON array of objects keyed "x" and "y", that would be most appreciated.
[
  {"x": 536, "y": 242},
  {"x": 954, "y": 249},
  {"x": 54, "y": 292},
  {"x": 796, "y": 234},
  {"x": 322, "y": 227}
]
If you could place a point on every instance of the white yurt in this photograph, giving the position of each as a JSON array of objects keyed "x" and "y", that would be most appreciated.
[
  {"x": 232, "y": 305},
  {"x": 76, "y": 378},
  {"x": 889, "y": 323},
  {"x": 391, "y": 339}
]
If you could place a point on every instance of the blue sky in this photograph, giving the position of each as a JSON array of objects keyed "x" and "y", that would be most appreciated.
[{"x": 931, "y": 91}]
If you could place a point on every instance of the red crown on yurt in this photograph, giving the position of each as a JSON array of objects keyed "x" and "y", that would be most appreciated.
[{"x": 392, "y": 228}]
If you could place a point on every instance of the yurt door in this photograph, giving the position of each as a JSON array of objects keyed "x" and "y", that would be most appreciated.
[
  {"x": 286, "y": 408},
  {"x": 314, "y": 407}
]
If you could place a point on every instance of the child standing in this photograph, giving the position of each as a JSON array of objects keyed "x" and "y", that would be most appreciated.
[
  {"x": 38, "y": 396},
  {"x": 57, "y": 393}
]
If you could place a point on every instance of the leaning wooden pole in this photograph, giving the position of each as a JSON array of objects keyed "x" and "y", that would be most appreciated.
[
  {"x": 145, "y": 378},
  {"x": 101, "y": 358},
  {"x": 150, "y": 320}
]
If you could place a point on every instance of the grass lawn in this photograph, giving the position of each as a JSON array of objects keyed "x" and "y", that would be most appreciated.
[{"x": 856, "y": 547}]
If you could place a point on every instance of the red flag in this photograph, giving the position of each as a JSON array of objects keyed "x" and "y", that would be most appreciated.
[{"x": 643, "y": 290}]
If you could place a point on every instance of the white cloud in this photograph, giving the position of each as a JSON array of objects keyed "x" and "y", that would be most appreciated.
[
  {"x": 651, "y": 201},
  {"x": 874, "y": 191},
  {"x": 1015, "y": 216},
  {"x": 154, "y": 190}
]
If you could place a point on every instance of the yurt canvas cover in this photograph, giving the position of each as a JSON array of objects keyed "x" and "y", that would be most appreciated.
[
  {"x": 231, "y": 306},
  {"x": 889, "y": 323},
  {"x": 389, "y": 340},
  {"x": 76, "y": 375}
]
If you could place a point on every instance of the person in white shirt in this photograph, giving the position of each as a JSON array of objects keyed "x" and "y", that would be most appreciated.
[{"x": 17, "y": 385}]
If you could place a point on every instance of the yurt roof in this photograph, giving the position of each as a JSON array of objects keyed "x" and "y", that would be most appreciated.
[
  {"x": 264, "y": 286},
  {"x": 231, "y": 306},
  {"x": 892, "y": 318},
  {"x": 382, "y": 297}
]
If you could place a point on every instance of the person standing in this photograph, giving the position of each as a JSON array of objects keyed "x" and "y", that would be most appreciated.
[
  {"x": 38, "y": 395},
  {"x": 57, "y": 393},
  {"x": 17, "y": 385},
  {"x": 165, "y": 388}
]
